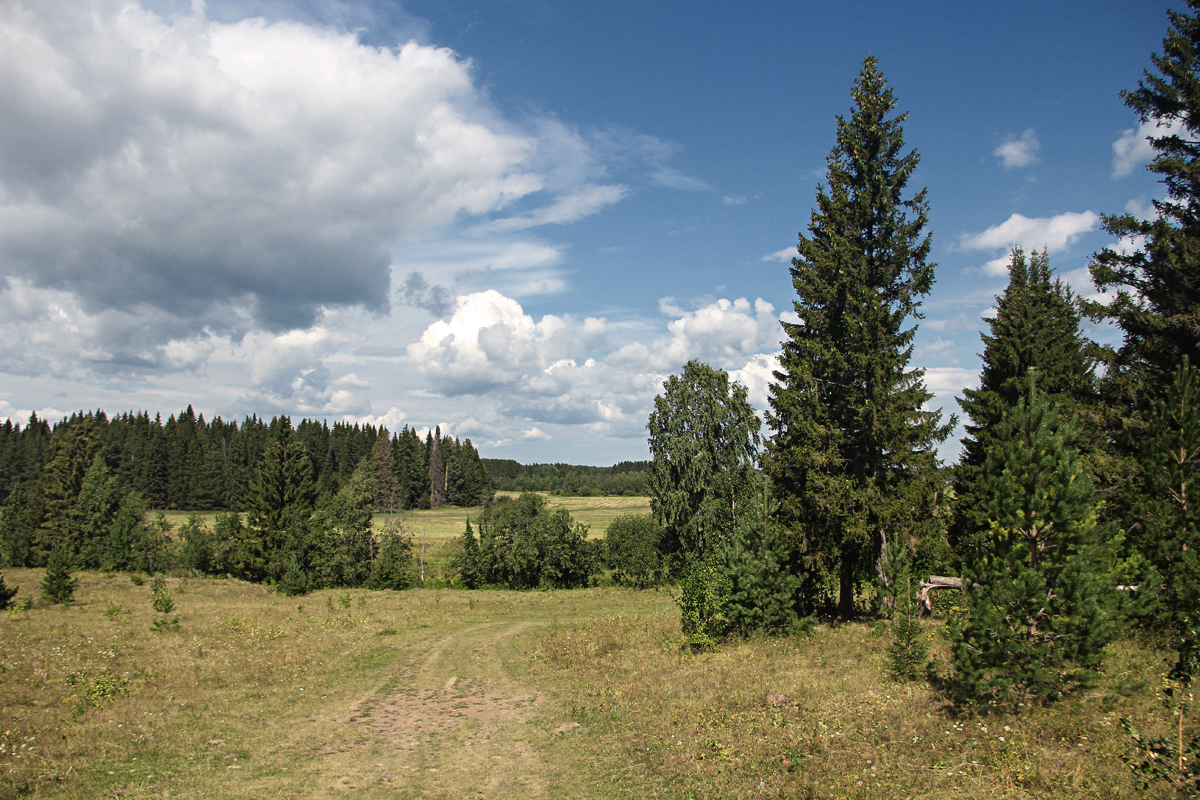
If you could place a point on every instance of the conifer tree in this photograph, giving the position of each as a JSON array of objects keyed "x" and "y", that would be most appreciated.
[
  {"x": 1036, "y": 327},
  {"x": 763, "y": 578},
  {"x": 1157, "y": 303},
  {"x": 1164, "y": 502},
  {"x": 1036, "y": 626},
  {"x": 6, "y": 594},
  {"x": 851, "y": 459},
  {"x": 58, "y": 585},
  {"x": 437, "y": 470},
  {"x": 386, "y": 486},
  {"x": 280, "y": 503}
]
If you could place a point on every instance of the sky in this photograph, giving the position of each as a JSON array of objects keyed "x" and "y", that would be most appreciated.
[{"x": 513, "y": 219}]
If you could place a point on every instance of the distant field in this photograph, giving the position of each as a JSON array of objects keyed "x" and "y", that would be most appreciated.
[{"x": 448, "y": 521}]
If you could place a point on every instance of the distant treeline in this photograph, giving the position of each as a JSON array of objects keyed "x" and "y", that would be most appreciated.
[
  {"x": 625, "y": 478},
  {"x": 189, "y": 463}
]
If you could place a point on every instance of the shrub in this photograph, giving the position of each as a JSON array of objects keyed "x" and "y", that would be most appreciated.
[
  {"x": 393, "y": 566},
  {"x": 908, "y": 654},
  {"x": 199, "y": 546},
  {"x": 632, "y": 548},
  {"x": 163, "y": 602},
  {"x": 522, "y": 545},
  {"x": 703, "y": 602}
]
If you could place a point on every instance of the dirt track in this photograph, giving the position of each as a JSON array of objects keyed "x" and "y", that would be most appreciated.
[{"x": 451, "y": 721}]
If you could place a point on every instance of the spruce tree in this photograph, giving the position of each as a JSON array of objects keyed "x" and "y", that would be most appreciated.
[
  {"x": 763, "y": 578},
  {"x": 1036, "y": 327},
  {"x": 280, "y": 503},
  {"x": 1164, "y": 502},
  {"x": 1033, "y": 585},
  {"x": 852, "y": 457},
  {"x": 58, "y": 586},
  {"x": 1157, "y": 303},
  {"x": 6, "y": 594}
]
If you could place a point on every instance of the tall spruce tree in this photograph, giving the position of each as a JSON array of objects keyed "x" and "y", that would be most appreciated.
[
  {"x": 1036, "y": 326},
  {"x": 1157, "y": 303},
  {"x": 1036, "y": 626},
  {"x": 852, "y": 457}
]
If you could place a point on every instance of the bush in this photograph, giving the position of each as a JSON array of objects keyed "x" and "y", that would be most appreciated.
[
  {"x": 909, "y": 651},
  {"x": 393, "y": 566},
  {"x": 631, "y": 546},
  {"x": 198, "y": 551},
  {"x": 703, "y": 603},
  {"x": 522, "y": 545}
]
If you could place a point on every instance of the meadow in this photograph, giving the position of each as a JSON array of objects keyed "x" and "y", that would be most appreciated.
[
  {"x": 448, "y": 693},
  {"x": 447, "y": 522}
]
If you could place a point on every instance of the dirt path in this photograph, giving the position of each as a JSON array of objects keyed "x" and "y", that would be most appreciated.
[{"x": 452, "y": 721}]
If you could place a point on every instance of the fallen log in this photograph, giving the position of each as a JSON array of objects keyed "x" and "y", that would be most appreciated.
[{"x": 925, "y": 601}]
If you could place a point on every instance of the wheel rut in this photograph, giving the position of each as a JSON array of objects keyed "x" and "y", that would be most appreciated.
[{"x": 451, "y": 721}]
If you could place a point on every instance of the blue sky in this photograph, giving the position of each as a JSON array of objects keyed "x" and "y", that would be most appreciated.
[{"x": 510, "y": 219}]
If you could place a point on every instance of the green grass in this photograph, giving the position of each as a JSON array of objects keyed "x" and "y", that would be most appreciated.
[
  {"x": 448, "y": 521},
  {"x": 441, "y": 693}
]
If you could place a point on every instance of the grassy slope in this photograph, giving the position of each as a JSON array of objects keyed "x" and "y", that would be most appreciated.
[{"x": 503, "y": 694}]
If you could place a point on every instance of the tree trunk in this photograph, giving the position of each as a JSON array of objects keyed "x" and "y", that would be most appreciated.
[{"x": 845, "y": 607}]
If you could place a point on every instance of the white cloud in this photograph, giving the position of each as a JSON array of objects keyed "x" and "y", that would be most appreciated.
[
  {"x": 786, "y": 254},
  {"x": 735, "y": 200},
  {"x": 1031, "y": 233},
  {"x": 581, "y": 202},
  {"x": 564, "y": 371},
  {"x": 1133, "y": 149},
  {"x": 1020, "y": 151},
  {"x": 176, "y": 178}
]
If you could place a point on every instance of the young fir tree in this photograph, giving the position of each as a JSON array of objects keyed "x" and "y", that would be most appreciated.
[
  {"x": 58, "y": 586},
  {"x": 469, "y": 561},
  {"x": 763, "y": 580},
  {"x": 1157, "y": 303},
  {"x": 6, "y": 594},
  {"x": 852, "y": 457},
  {"x": 1033, "y": 586},
  {"x": 1036, "y": 327}
]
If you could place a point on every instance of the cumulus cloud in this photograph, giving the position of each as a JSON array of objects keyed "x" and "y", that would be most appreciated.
[
  {"x": 1020, "y": 151},
  {"x": 1133, "y": 149},
  {"x": 1031, "y": 233},
  {"x": 566, "y": 371},
  {"x": 231, "y": 175},
  {"x": 786, "y": 254}
]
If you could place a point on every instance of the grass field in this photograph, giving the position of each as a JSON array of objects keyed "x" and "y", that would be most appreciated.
[
  {"x": 560, "y": 694},
  {"x": 448, "y": 521}
]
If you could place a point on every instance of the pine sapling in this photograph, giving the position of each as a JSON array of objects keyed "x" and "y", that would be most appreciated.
[{"x": 163, "y": 602}]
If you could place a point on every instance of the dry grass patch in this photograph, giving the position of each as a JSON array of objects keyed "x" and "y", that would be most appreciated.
[{"x": 817, "y": 717}]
